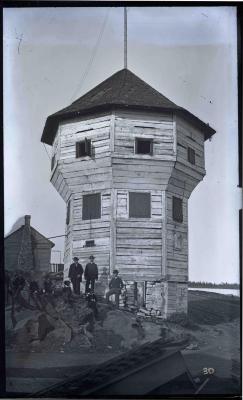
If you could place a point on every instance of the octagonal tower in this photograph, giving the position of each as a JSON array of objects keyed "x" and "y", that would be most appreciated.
[{"x": 125, "y": 161}]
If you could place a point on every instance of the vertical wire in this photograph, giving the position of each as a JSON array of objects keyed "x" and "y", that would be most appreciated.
[{"x": 125, "y": 37}]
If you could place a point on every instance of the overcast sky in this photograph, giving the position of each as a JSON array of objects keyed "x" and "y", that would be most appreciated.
[{"x": 188, "y": 54}]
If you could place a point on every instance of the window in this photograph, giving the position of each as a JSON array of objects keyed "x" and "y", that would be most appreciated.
[
  {"x": 139, "y": 205},
  {"x": 144, "y": 146},
  {"x": 177, "y": 209},
  {"x": 91, "y": 206},
  {"x": 53, "y": 160},
  {"x": 68, "y": 213},
  {"x": 83, "y": 148},
  {"x": 89, "y": 243},
  {"x": 191, "y": 155}
]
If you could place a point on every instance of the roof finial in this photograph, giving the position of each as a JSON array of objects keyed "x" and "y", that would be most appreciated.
[{"x": 125, "y": 37}]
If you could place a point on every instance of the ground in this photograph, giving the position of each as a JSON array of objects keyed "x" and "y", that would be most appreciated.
[{"x": 59, "y": 341}]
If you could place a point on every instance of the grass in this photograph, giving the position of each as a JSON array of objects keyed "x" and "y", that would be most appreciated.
[{"x": 211, "y": 308}]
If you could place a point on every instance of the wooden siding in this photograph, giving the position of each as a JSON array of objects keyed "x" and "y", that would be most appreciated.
[
  {"x": 96, "y": 129},
  {"x": 138, "y": 240},
  {"x": 142, "y": 249},
  {"x": 142, "y": 171},
  {"x": 189, "y": 136},
  {"x": 79, "y": 230},
  {"x": 12, "y": 245},
  {"x": 176, "y": 242},
  {"x": 35, "y": 253},
  {"x": 184, "y": 178},
  {"x": 60, "y": 183}
]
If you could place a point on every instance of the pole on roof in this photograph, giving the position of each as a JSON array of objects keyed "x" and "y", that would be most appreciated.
[{"x": 125, "y": 37}]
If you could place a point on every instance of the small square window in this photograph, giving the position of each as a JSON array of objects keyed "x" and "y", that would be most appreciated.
[
  {"x": 83, "y": 148},
  {"x": 177, "y": 209},
  {"x": 89, "y": 243},
  {"x": 144, "y": 146},
  {"x": 139, "y": 205},
  {"x": 191, "y": 155},
  {"x": 91, "y": 206}
]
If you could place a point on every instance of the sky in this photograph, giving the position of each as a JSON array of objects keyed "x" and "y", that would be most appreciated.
[{"x": 52, "y": 56}]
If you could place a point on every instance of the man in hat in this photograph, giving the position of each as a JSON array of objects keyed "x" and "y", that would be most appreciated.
[
  {"x": 115, "y": 286},
  {"x": 90, "y": 274},
  {"x": 75, "y": 275}
]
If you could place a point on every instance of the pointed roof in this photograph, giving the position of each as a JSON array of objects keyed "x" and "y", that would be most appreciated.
[
  {"x": 19, "y": 226},
  {"x": 121, "y": 90}
]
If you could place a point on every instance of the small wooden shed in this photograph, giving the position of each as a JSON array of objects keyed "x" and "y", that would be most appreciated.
[
  {"x": 28, "y": 250},
  {"x": 125, "y": 159}
]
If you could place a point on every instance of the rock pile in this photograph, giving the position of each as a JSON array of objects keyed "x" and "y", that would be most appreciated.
[{"x": 73, "y": 327}]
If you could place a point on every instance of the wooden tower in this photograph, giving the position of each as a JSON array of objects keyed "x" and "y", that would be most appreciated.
[{"x": 125, "y": 161}]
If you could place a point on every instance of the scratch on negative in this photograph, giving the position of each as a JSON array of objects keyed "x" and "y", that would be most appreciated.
[{"x": 19, "y": 38}]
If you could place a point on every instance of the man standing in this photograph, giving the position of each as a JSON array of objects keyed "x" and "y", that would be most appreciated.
[
  {"x": 115, "y": 286},
  {"x": 75, "y": 275},
  {"x": 90, "y": 274}
]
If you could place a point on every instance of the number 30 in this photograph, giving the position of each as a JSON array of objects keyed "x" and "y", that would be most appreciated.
[{"x": 208, "y": 371}]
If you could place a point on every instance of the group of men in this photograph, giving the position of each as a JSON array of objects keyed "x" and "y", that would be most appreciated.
[{"x": 91, "y": 275}]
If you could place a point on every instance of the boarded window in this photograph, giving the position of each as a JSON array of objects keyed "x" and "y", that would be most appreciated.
[
  {"x": 53, "y": 161},
  {"x": 91, "y": 206},
  {"x": 177, "y": 209},
  {"x": 144, "y": 146},
  {"x": 191, "y": 155},
  {"x": 83, "y": 148},
  {"x": 139, "y": 205},
  {"x": 68, "y": 213}
]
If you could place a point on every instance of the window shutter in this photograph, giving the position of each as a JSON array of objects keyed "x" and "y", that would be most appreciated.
[
  {"x": 77, "y": 150},
  {"x": 91, "y": 206},
  {"x": 87, "y": 147},
  {"x": 68, "y": 213},
  {"x": 191, "y": 155},
  {"x": 177, "y": 209},
  {"x": 139, "y": 205}
]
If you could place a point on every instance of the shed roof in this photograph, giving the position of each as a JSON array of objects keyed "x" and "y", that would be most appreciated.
[
  {"x": 34, "y": 235},
  {"x": 121, "y": 90}
]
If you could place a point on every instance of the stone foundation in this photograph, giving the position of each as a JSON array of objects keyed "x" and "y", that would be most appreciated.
[{"x": 159, "y": 298}]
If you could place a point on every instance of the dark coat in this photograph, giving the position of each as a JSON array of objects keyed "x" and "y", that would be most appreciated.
[
  {"x": 75, "y": 270},
  {"x": 91, "y": 271},
  {"x": 116, "y": 283}
]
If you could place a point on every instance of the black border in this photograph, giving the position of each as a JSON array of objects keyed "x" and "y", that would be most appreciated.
[{"x": 71, "y": 3}]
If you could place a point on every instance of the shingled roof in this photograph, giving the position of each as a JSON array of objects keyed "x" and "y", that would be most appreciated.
[{"x": 121, "y": 90}]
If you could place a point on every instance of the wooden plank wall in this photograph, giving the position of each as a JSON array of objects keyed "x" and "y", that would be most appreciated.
[
  {"x": 177, "y": 242},
  {"x": 184, "y": 178},
  {"x": 139, "y": 241},
  {"x": 42, "y": 251},
  {"x": 135, "y": 246},
  {"x": 12, "y": 246},
  {"x": 189, "y": 136},
  {"x": 87, "y": 175}
]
